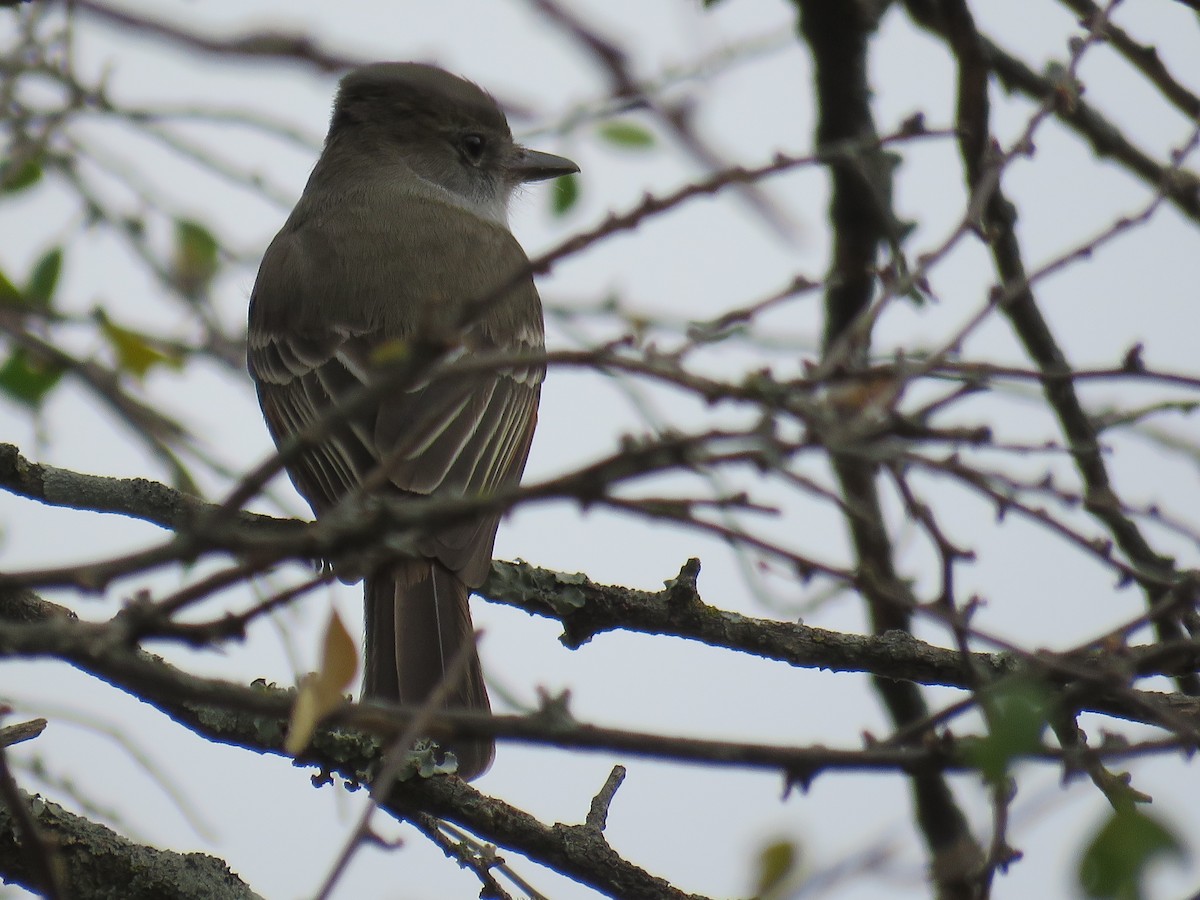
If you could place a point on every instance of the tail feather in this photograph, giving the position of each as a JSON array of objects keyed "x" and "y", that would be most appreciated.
[{"x": 417, "y": 619}]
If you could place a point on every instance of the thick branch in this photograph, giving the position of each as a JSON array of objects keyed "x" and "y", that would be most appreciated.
[
  {"x": 860, "y": 214},
  {"x": 139, "y": 498},
  {"x": 98, "y": 862}
]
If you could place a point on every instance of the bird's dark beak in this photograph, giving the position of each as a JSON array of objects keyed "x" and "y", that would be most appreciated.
[{"x": 534, "y": 165}]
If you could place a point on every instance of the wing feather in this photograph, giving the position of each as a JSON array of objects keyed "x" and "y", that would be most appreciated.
[{"x": 453, "y": 434}]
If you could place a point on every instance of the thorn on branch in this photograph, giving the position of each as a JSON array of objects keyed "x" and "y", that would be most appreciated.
[
  {"x": 913, "y": 125},
  {"x": 801, "y": 777},
  {"x": 1132, "y": 361},
  {"x": 554, "y": 709}
]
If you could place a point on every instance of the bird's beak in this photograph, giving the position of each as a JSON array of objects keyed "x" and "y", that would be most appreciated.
[{"x": 534, "y": 165}]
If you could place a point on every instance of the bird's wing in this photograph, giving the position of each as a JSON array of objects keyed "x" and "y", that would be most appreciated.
[{"x": 454, "y": 433}]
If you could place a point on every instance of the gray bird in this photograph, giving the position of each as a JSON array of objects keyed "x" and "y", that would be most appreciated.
[{"x": 400, "y": 233}]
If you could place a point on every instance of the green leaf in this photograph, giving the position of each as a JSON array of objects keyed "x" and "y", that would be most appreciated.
[
  {"x": 564, "y": 194},
  {"x": 17, "y": 177},
  {"x": 44, "y": 278},
  {"x": 136, "y": 353},
  {"x": 196, "y": 256},
  {"x": 777, "y": 863},
  {"x": 1015, "y": 710},
  {"x": 28, "y": 379},
  {"x": 8, "y": 291},
  {"x": 1114, "y": 862},
  {"x": 627, "y": 134}
]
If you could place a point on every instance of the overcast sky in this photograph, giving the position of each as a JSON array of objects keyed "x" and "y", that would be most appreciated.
[{"x": 700, "y": 828}]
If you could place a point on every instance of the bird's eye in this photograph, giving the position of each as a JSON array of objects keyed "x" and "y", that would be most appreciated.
[{"x": 473, "y": 146}]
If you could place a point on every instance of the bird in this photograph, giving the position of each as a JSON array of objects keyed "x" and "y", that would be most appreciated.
[{"x": 401, "y": 236}]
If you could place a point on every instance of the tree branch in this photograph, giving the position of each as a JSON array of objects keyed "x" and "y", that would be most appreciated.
[{"x": 98, "y": 862}]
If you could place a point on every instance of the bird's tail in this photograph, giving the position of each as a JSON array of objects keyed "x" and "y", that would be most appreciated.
[{"x": 417, "y": 622}]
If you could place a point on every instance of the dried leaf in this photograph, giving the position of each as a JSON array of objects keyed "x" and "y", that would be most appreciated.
[{"x": 321, "y": 692}]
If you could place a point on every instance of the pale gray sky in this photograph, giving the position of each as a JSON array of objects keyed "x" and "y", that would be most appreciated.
[{"x": 700, "y": 828}]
